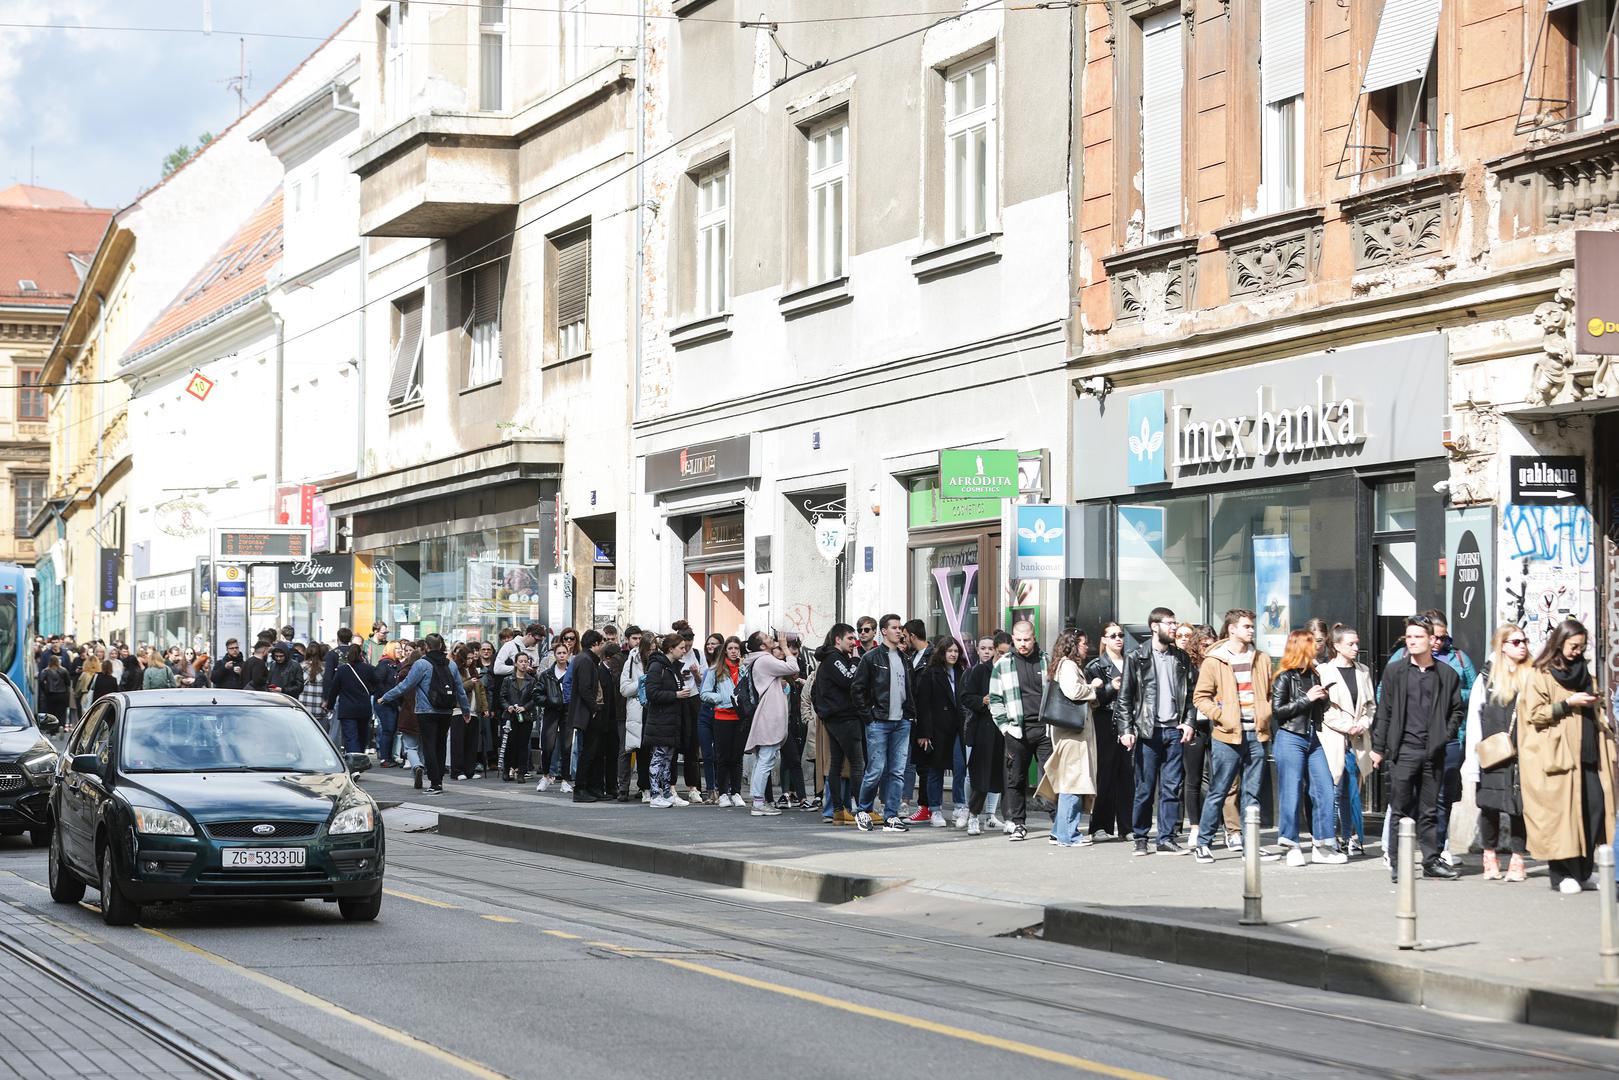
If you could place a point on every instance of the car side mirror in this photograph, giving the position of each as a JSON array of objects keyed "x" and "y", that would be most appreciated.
[
  {"x": 89, "y": 764},
  {"x": 357, "y": 763},
  {"x": 49, "y": 723}
]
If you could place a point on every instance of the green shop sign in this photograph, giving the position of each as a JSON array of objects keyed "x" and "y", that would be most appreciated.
[{"x": 978, "y": 474}]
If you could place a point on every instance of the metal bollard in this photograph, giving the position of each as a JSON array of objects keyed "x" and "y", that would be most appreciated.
[
  {"x": 1252, "y": 909},
  {"x": 1405, "y": 862},
  {"x": 1606, "y": 889}
]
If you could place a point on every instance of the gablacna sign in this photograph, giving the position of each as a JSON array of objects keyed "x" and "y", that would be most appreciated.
[{"x": 1329, "y": 425}]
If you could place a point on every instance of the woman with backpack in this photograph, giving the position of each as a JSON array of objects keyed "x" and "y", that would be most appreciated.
[
  {"x": 719, "y": 697},
  {"x": 553, "y": 705},
  {"x": 520, "y": 700},
  {"x": 437, "y": 687},
  {"x": 666, "y": 697}
]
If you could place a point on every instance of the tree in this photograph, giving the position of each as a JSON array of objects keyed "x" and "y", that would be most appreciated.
[{"x": 183, "y": 153}]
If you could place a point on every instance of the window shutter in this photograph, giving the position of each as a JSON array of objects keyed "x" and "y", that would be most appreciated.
[
  {"x": 1404, "y": 44},
  {"x": 1281, "y": 49},
  {"x": 1162, "y": 81},
  {"x": 573, "y": 277},
  {"x": 410, "y": 339},
  {"x": 486, "y": 292},
  {"x": 1558, "y": 5}
]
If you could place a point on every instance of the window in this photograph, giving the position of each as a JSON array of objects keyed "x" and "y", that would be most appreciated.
[
  {"x": 1281, "y": 152},
  {"x": 1400, "y": 131},
  {"x": 484, "y": 290},
  {"x": 714, "y": 241},
  {"x": 1163, "y": 558},
  {"x": 969, "y": 140},
  {"x": 574, "y": 15},
  {"x": 828, "y": 205},
  {"x": 30, "y": 398},
  {"x": 297, "y": 197},
  {"x": 1592, "y": 83},
  {"x": 28, "y": 495},
  {"x": 393, "y": 60},
  {"x": 492, "y": 55},
  {"x": 1162, "y": 84},
  {"x": 405, "y": 385},
  {"x": 571, "y": 254}
]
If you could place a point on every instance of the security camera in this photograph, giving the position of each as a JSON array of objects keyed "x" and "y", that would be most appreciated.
[
  {"x": 1096, "y": 386},
  {"x": 1442, "y": 486}
]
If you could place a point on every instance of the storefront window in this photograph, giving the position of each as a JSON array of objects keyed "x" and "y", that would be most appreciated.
[
  {"x": 945, "y": 587},
  {"x": 1163, "y": 558},
  {"x": 1262, "y": 559},
  {"x": 463, "y": 586},
  {"x": 1394, "y": 506}
]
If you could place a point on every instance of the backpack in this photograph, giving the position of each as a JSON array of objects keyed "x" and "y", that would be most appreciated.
[
  {"x": 746, "y": 697},
  {"x": 441, "y": 683}
]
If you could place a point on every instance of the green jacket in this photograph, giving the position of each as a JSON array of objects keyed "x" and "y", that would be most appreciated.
[
  {"x": 157, "y": 676},
  {"x": 1006, "y": 697}
]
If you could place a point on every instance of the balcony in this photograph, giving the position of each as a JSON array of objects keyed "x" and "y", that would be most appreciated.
[
  {"x": 435, "y": 175},
  {"x": 1563, "y": 181}
]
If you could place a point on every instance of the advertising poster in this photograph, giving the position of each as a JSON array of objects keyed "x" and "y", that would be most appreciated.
[
  {"x": 1273, "y": 568},
  {"x": 1469, "y": 578},
  {"x": 1041, "y": 542}
]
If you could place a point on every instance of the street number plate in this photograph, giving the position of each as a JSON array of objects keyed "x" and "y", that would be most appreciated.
[{"x": 258, "y": 858}]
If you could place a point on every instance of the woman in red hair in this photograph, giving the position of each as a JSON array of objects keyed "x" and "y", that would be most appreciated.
[{"x": 1298, "y": 707}]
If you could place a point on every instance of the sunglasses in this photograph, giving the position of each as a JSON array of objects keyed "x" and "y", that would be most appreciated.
[
  {"x": 1114, "y": 634},
  {"x": 1517, "y": 641},
  {"x": 868, "y": 630}
]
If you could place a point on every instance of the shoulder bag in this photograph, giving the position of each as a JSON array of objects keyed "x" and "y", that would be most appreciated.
[{"x": 1058, "y": 710}]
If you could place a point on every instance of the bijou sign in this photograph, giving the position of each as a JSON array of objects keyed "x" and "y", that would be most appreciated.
[
  {"x": 1330, "y": 425},
  {"x": 319, "y": 573}
]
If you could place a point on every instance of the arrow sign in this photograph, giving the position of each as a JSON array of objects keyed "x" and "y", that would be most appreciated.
[{"x": 1558, "y": 479}]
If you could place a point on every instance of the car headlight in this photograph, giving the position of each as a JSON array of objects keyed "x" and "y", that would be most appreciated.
[
  {"x": 38, "y": 763},
  {"x": 354, "y": 819},
  {"x": 154, "y": 822}
]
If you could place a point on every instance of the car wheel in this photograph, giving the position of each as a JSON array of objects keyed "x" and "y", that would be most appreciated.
[
  {"x": 116, "y": 908},
  {"x": 361, "y": 909},
  {"x": 66, "y": 888}
]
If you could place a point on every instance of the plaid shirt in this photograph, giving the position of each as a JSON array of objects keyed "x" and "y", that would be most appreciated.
[
  {"x": 313, "y": 695},
  {"x": 1006, "y": 697}
]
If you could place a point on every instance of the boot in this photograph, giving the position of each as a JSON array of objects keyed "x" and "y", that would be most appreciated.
[
  {"x": 1515, "y": 871},
  {"x": 1492, "y": 866}
]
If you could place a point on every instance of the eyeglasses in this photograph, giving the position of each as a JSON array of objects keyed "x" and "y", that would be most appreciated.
[
  {"x": 1517, "y": 641},
  {"x": 1420, "y": 620},
  {"x": 1114, "y": 634}
]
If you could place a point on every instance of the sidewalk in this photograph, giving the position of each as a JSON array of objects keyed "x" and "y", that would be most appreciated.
[{"x": 1511, "y": 951}]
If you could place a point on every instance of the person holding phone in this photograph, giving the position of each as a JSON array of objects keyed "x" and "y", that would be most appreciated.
[{"x": 772, "y": 676}]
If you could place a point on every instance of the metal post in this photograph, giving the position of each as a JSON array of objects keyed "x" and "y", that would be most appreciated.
[
  {"x": 1406, "y": 867},
  {"x": 1252, "y": 911},
  {"x": 1606, "y": 888}
]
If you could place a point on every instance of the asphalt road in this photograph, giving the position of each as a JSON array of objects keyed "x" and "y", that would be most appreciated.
[{"x": 487, "y": 963}]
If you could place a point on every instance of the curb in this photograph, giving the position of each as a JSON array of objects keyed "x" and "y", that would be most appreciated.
[
  {"x": 824, "y": 887},
  {"x": 1343, "y": 971}
]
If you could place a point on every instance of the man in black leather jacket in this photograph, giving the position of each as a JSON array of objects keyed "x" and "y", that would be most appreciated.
[{"x": 1153, "y": 714}]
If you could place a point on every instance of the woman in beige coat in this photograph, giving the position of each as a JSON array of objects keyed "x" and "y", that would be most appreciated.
[
  {"x": 1566, "y": 760},
  {"x": 1070, "y": 774},
  {"x": 1346, "y": 730}
]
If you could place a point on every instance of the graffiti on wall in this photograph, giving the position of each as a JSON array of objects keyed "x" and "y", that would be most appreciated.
[{"x": 1548, "y": 557}]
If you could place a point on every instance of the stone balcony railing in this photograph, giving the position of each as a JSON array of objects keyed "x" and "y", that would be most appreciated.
[{"x": 1569, "y": 181}]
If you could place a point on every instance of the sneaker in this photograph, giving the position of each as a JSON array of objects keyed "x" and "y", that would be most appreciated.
[
  {"x": 1141, "y": 846},
  {"x": 1569, "y": 887},
  {"x": 1267, "y": 855},
  {"x": 676, "y": 800},
  {"x": 1438, "y": 868},
  {"x": 646, "y": 796},
  {"x": 896, "y": 824},
  {"x": 1356, "y": 848},
  {"x": 1233, "y": 842},
  {"x": 1202, "y": 854},
  {"x": 764, "y": 809},
  {"x": 842, "y": 817},
  {"x": 1084, "y": 840},
  {"x": 418, "y": 778},
  {"x": 921, "y": 817},
  {"x": 811, "y": 804},
  {"x": 660, "y": 803},
  {"x": 1295, "y": 855},
  {"x": 440, "y": 791},
  {"x": 862, "y": 821},
  {"x": 1515, "y": 869},
  {"x": 1448, "y": 859},
  {"x": 544, "y": 784},
  {"x": 1319, "y": 853},
  {"x": 1170, "y": 847},
  {"x": 974, "y": 826},
  {"x": 724, "y": 800},
  {"x": 1589, "y": 884},
  {"x": 1018, "y": 833},
  {"x": 1492, "y": 866},
  {"x": 995, "y": 822},
  {"x": 567, "y": 788},
  {"x": 940, "y": 821},
  {"x": 1101, "y": 834},
  {"x": 960, "y": 820}
]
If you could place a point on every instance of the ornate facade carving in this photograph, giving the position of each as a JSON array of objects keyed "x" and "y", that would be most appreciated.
[
  {"x": 1273, "y": 253},
  {"x": 1560, "y": 181},
  {"x": 1154, "y": 281},
  {"x": 1561, "y": 376},
  {"x": 1402, "y": 221}
]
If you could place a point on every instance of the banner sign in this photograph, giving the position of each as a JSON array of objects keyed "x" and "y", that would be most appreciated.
[
  {"x": 1273, "y": 571},
  {"x": 1042, "y": 548},
  {"x": 318, "y": 573},
  {"x": 978, "y": 474}
]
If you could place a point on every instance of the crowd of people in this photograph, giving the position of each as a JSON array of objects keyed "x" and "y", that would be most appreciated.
[{"x": 1163, "y": 746}]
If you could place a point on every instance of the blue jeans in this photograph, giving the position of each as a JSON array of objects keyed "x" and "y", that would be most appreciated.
[
  {"x": 1158, "y": 778},
  {"x": 764, "y": 762},
  {"x": 1070, "y": 820},
  {"x": 888, "y": 745},
  {"x": 958, "y": 774},
  {"x": 387, "y": 725},
  {"x": 1224, "y": 762},
  {"x": 1351, "y": 821},
  {"x": 933, "y": 789},
  {"x": 412, "y": 752},
  {"x": 354, "y": 733},
  {"x": 705, "y": 742},
  {"x": 1450, "y": 787},
  {"x": 1300, "y": 759}
]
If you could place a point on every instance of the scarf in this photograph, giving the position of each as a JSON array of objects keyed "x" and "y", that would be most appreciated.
[{"x": 1574, "y": 677}]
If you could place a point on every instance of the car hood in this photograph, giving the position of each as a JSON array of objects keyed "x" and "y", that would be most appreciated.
[
  {"x": 228, "y": 796},
  {"x": 14, "y": 742}
]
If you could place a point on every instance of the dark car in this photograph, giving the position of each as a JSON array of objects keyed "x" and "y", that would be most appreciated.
[
  {"x": 169, "y": 795},
  {"x": 27, "y": 765}
]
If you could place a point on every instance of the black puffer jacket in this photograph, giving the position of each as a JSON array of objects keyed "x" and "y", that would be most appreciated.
[
  {"x": 1290, "y": 706},
  {"x": 660, "y": 723},
  {"x": 833, "y": 693}
]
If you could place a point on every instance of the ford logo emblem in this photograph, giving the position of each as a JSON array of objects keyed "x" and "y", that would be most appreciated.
[{"x": 263, "y": 830}]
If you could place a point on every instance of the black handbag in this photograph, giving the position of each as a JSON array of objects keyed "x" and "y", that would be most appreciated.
[{"x": 1058, "y": 710}]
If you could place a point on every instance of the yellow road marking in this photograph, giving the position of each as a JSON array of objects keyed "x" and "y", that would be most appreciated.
[
  {"x": 304, "y": 997},
  {"x": 602, "y": 945},
  {"x": 499, "y": 918},
  {"x": 421, "y": 900},
  {"x": 562, "y": 934},
  {"x": 1040, "y": 1053}
]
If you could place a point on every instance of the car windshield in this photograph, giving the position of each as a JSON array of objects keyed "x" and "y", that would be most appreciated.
[
  {"x": 13, "y": 713},
  {"x": 221, "y": 738}
]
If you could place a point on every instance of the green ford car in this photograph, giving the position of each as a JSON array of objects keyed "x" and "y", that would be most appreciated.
[{"x": 171, "y": 795}]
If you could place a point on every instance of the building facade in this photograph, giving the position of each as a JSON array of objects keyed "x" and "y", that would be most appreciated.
[
  {"x": 498, "y": 207},
  {"x": 1324, "y": 317},
  {"x": 46, "y": 238},
  {"x": 864, "y": 267}
]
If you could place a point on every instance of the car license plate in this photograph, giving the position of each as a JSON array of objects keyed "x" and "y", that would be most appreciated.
[{"x": 262, "y": 858}]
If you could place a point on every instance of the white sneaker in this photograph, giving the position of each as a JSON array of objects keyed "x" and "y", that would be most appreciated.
[
  {"x": 1568, "y": 887},
  {"x": 995, "y": 822},
  {"x": 973, "y": 826},
  {"x": 1447, "y": 858},
  {"x": 960, "y": 821},
  {"x": 1008, "y": 828},
  {"x": 660, "y": 803},
  {"x": 940, "y": 821},
  {"x": 676, "y": 800},
  {"x": 1295, "y": 855},
  {"x": 764, "y": 809},
  {"x": 567, "y": 788},
  {"x": 1320, "y": 853},
  {"x": 545, "y": 783},
  {"x": 646, "y": 796}
]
